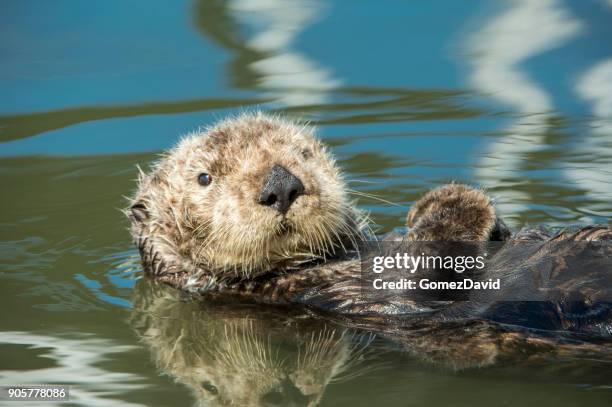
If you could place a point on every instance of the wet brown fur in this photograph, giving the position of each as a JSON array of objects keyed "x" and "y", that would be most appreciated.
[{"x": 454, "y": 212}]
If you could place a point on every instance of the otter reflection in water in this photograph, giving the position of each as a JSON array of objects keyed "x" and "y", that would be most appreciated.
[
  {"x": 235, "y": 354},
  {"x": 239, "y": 355}
]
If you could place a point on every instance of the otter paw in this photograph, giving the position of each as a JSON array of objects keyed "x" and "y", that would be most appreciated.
[{"x": 455, "y": 212}]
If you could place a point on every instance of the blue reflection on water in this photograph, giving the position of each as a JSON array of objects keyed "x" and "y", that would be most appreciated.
[{"x": 96, "y": 289}]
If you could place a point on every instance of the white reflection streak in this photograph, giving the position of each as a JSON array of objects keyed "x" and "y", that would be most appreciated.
[
  {"x": 76, "y": 364},
  {"x": 527, "y": 28},
  {"x": 286, "y": 75},
  {"x": 595, "y": 86}
]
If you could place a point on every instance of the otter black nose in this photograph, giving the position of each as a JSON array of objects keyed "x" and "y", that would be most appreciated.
[
  {"x": 286, "y": 395},
  {"x": 280, "y": 189}
]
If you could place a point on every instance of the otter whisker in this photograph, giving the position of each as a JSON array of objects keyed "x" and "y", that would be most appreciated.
[
  {"x": 365, "y": 182},
  {"x": 340, "y": 225},
  {"x": 366, "y": 195}
]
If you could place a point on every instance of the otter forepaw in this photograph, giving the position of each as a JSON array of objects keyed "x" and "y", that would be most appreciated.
[{"x": 455, "y": 212}]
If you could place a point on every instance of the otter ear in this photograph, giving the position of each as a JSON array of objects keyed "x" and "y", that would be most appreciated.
[{"x": 139, "y": 212}]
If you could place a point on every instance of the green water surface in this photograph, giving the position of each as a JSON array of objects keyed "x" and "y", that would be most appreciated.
[{"x": 514, "y": 96}]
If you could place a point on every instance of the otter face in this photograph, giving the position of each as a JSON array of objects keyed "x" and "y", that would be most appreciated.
[{"x": 249, "y": 195}]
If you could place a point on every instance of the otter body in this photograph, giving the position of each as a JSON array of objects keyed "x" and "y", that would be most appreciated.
[{"x": 255, "y": 208}]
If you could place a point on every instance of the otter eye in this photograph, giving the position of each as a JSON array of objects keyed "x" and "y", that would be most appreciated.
[
  {"x": 209, "y": 387},
  {"x": 306, "y": 153},
  {"x": 204, "y": 179}
]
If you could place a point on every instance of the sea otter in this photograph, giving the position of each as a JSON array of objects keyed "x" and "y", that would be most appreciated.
[{"x": 255, "y": 208}]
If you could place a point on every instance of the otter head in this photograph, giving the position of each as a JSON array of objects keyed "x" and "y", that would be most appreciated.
[{"x": 247, "y": 196}]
